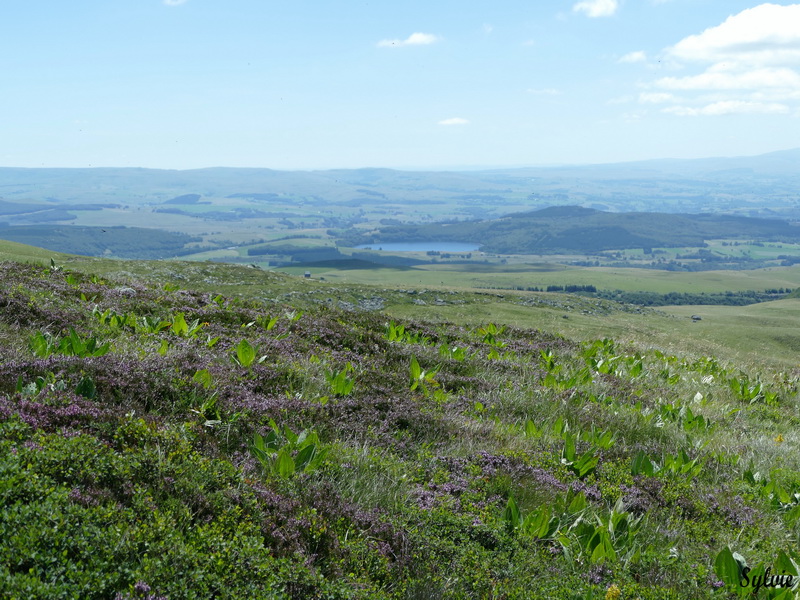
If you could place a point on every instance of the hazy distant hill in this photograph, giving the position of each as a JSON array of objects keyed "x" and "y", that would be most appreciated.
[
  {"x": 756, "y": 185},
  {"x": 577, "y": 229}
]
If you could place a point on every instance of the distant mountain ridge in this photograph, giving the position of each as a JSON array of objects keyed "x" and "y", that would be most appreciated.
[{"x": 748, "y": 185}]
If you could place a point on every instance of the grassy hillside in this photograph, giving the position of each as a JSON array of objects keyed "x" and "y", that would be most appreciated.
[
  {"x": 757, "y": 335},
  {"x": 166, "y": 440},
  {"x": 723, "y": 331},
  {"x": 30, "y": 254},
  {"x": 128, "y": 242}
]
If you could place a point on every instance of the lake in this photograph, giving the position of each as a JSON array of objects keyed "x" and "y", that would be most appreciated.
[{"x": 421, "y": 247}]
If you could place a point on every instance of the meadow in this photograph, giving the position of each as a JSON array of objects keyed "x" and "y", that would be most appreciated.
[
  {"x": 543, "y": 274},
  {"x": 197, "y": 430}
]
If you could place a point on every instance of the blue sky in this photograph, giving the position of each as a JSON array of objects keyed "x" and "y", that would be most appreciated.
[{"x": 303, "y": 84}]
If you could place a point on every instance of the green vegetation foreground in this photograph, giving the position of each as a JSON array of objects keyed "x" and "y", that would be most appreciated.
[{"x": 167, "y": 443}]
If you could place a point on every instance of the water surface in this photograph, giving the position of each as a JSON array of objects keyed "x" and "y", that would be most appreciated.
[{"x": 421, "y": 247}]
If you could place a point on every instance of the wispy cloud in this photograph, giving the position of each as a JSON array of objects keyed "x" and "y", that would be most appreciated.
[
  {"x": 635, "y": 116},
  {"x": 175, "y": 2},
  {"x": 543, "y": 91},
  {"x": 597, "y": 8},
  {"x": 656, "y": 97},
  {"x": 624, "y": 99},
  {"x": 729, "y": 107},
  {"x": 454, "y": 121},
  {"x": 722, "y": 77},
  {"x": 415, "y": 39},
  {"x": 633, "y": 57},
  {"x": 748, "y": 65}
]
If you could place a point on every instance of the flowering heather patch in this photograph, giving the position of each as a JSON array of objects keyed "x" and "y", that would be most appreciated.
[
  {"x": 57, "y": 411},
  {"x": 448, "y": 461},
  {"x": 642, "y": 498},
  {"x": 17, "y": 309}
]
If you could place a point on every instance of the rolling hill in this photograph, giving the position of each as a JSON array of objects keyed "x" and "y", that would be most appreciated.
[
  {"x": 584, "y": 230},
  {"x": 758, "y": 185}
]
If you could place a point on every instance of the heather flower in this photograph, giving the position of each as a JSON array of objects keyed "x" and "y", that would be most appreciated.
[
  {"x": 598, "y": 573},
  {"x": 141, "y": 591},
  {"x": 77, "y": 496}
]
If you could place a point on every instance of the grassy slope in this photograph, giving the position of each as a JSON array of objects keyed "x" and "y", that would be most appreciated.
[
  {"x": 134, "y": 466},
  {"x": 759, "y": 334},
  {"x": 26, "y": 253},
  {"x": 766, "y": 330}
]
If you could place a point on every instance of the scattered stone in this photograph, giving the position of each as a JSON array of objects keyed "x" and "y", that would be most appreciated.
[{"x": 374, "y": 303}]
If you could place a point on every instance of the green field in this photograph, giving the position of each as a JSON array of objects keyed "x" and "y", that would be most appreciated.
[{"x": 543, "y": 274}]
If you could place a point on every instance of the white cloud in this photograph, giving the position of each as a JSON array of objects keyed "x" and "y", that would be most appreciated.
[
  {"x": 729, "y": 107},
  {"x": 656, "y": 97},
  {"x": 748, "y": 64},
  {"x": 633, "y": 57},
  {"x": 719, "y": 77},
  {"x": 415, "y": 39},
  {"x": 764, "y": 34},
  {"x": 597, "y": 8},
  {"x": 175, "y": 2},
  {"x": 454, "y": 121}
]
